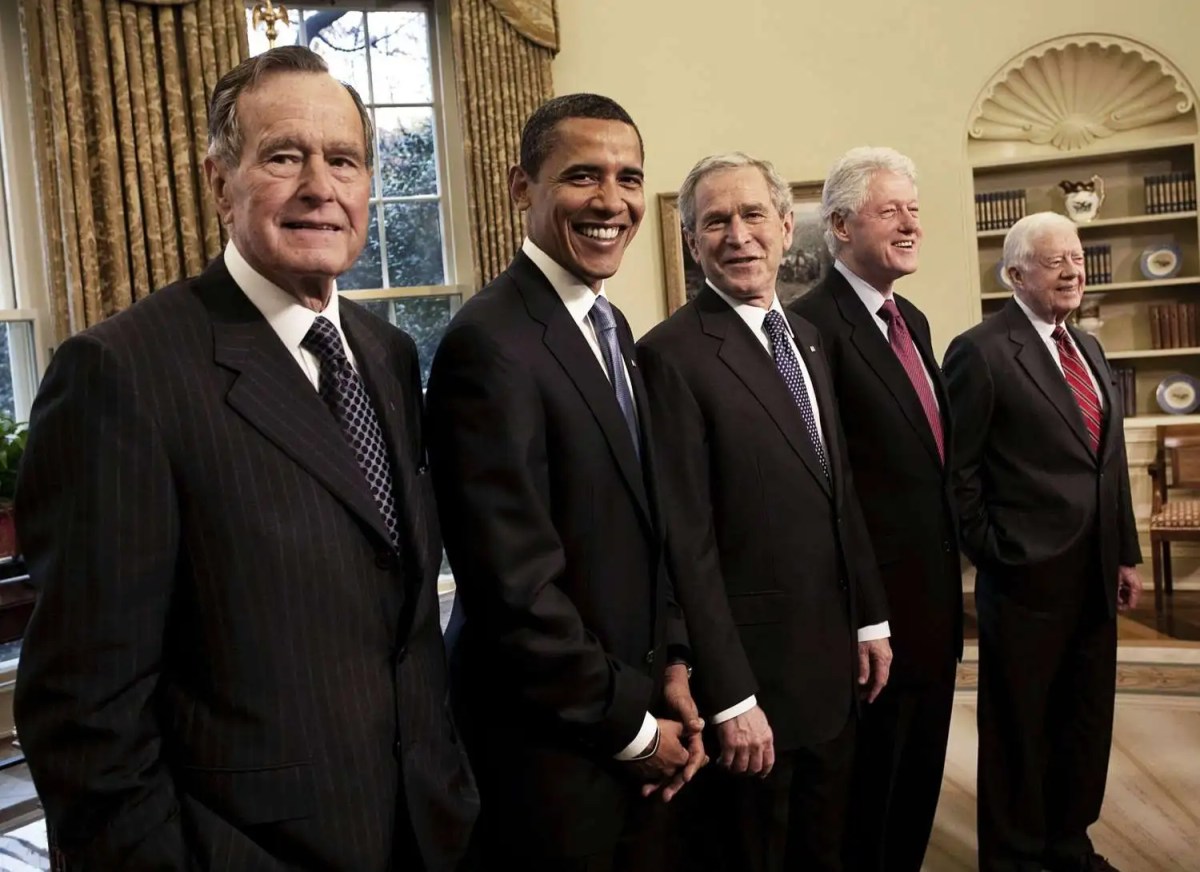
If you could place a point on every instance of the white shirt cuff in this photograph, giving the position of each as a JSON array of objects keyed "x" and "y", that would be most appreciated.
[
  {"x": 640, "y": 741},
  {"x": 734, "y": 710},
  {"x": 874, "y": 631}
]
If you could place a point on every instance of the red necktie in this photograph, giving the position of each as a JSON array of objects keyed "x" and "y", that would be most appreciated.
[
  {"x": 1076, "y": 374},
  {"x": 906, "y": 351}
]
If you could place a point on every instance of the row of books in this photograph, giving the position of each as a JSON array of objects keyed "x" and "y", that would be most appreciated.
[
  {"x": 1170, "y": 192},
  {"x": 1097, "y": 260},
  {"x": 1126, "y": 389},
  {"x": 1174, "y": 325},
  {"x": 999, "y": 209}
]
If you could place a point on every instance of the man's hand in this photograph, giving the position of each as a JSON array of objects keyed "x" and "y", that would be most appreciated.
[
  {"x": 747, "y": 743},
  {"x": 1129, "y": 588},
  {"x": 667, "y": 760},
  {"x": 678, "y": 695},
  {"x": 874, "y": 665}
]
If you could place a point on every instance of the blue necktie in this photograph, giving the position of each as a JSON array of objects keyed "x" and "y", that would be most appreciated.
[
  {"x": 346, "y": 396},
  {"x": 793, "y": 377},
  {"x": 606, "y": 331}
]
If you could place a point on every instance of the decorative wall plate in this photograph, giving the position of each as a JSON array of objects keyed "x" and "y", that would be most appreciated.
[
  {"x": 1178, "y": 394},
  {"x": 1161, "y": 261}
]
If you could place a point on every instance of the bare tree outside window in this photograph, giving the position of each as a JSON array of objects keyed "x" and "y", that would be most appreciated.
[{"x": 387, "y": 57}]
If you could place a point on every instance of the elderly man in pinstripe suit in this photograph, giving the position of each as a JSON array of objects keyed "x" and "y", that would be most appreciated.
[{"x": 235, "y": 660}]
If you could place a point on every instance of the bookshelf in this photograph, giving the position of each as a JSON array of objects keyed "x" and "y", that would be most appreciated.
[{"x": 1125, "y": 229}]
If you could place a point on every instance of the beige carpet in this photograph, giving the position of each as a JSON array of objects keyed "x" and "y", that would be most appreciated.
[{"x": 1151, "y": 816}]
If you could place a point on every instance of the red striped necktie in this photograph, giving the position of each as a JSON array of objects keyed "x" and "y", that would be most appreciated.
[{"x": 1080, "y": 383}]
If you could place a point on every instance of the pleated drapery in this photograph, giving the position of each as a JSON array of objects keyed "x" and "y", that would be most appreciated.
[
  {"x": 503, "y": 50},
  {"x": 120, "y": 91}
]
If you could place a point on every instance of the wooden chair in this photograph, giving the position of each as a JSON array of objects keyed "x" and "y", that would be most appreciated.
[{"x": 1176, "y": 465}]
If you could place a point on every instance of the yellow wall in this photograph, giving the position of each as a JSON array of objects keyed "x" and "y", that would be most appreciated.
[{"x": 799, "y": 81}]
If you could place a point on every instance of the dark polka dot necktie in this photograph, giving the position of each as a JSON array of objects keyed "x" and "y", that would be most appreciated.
[
  {"x": 346, "y": 396},
  {"x": 793, "y": 377}
]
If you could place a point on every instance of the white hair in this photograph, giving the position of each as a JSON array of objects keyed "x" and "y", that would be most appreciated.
[
  {"x": 1019, "y": 242},
  {"x": 849, "y": 183},
  {"x": 781, "y": 191}
]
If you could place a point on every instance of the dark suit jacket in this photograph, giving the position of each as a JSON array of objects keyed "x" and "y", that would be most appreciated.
[
  {"x": 228, "y": 665},
  {"x": 1029, "y": 486},
  {"x": 551, "y": 528},
  {"x": 773, "y": 567},
  {"x": 902, "y": 483}
]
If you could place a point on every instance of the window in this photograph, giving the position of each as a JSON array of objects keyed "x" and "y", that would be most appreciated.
[
  {"x": 408, "y": 271},
  {"x": 24, "y": 300}
]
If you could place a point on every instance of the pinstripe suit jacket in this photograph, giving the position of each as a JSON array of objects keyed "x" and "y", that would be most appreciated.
[{"x": 229, "y": 666}]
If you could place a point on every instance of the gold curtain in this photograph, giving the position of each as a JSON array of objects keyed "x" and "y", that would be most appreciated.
[
  {"x": 120, "y": 92},
  {"x": 503, "y": 76}
]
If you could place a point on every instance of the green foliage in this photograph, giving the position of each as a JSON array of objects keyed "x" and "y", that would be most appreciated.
[{"x": 13, "y": 436}]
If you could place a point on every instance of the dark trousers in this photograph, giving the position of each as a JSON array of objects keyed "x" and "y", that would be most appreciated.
[
  {"x": 898, "y": 774},
  {"x": 1047, "y": 674},
  {"x": 791, "y": 820},
  {"x": 641, "y": 846}
]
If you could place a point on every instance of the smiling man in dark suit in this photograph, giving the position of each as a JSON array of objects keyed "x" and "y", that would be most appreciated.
[
  {"x": 235, "y": 660},
  {"x": 766, "y": 541},
  {"x": 899, "y": 432},
  {"x": 1042, "y": 484},
  {"x": 545, "y": 475}
]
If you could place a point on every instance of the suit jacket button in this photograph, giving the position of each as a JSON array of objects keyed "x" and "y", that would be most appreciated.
[
  {"x": 946, "y": 547},
  {"x": 384, "y": 560},
  {"x": 397, "y": 749},
  {"x": 401, "y": 653},
  {"x": 842, "y": 585},
  {"x": 650, "y": 656}
]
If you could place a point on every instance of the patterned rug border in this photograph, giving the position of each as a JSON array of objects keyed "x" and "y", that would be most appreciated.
[{"x": 1159, "y": 679}]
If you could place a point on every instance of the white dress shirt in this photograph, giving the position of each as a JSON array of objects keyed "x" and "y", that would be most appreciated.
[
  {"x": 579, "y": 299},
  {"x": 290, "y": 320},
  {"x": 874, "y": 299},
  {"x": 755, "y": 317},
  {"x": 1044, "y": 330}
]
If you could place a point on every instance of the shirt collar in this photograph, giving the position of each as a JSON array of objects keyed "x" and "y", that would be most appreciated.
[
  {"x": 575, "y": 294},
  {"x": 872, "y": 298},
  {"x": 290, "y": 320},
  {"x": 1043, "y": 327},
  {"x": 753, "y": 315}
]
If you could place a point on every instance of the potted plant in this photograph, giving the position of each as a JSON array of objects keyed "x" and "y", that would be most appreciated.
[{"x": 12, "y": 446}]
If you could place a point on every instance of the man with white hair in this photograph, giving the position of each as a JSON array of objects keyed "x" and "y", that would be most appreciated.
[
  {"x": 898, "y": 428},
  {"x": 765, "y": 538},
  {"x": 1042, "y": 487}
]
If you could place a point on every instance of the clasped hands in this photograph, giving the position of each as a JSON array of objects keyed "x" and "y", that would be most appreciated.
[{"x": 680, "y": 750}]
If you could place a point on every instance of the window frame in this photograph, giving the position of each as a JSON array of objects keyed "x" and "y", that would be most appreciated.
[
  {"x": 26, "y": 297},
  {"x": 457, "y": 265}
]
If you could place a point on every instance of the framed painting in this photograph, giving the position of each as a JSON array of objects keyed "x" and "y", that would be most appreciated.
[{"x": 804, "y": 264}]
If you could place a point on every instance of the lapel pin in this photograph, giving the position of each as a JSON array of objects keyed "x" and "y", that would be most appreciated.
[{"x": 813, "y": 349}]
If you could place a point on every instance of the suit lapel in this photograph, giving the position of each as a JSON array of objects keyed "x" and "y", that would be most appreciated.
[
  {"x": 866, "y": 336},
  {"x": 741, "y": 351},
  {"x": 272, "y": 394},
  {"x": 386, "y": 393},
  {"x": 1034, "y": 357},
  {"x": 565, "y": 341}
]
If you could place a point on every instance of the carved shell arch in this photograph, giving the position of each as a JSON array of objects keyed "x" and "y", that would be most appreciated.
[{"x": 1071, "y": 91}]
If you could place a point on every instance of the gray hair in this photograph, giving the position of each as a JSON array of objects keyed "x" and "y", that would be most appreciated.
[
  {"x": 781, "y": 192},
  {"x": 225, "y": 132},
  {"x": 849, "y": 183},
  {"x": 1019, "y": 241}
]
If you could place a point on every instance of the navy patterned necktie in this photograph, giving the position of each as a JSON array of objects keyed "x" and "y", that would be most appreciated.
[
  {"x": 606, "y": 331},
  {"x": 793, "y": 377},
  {"x": 346, "y": 396}
]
